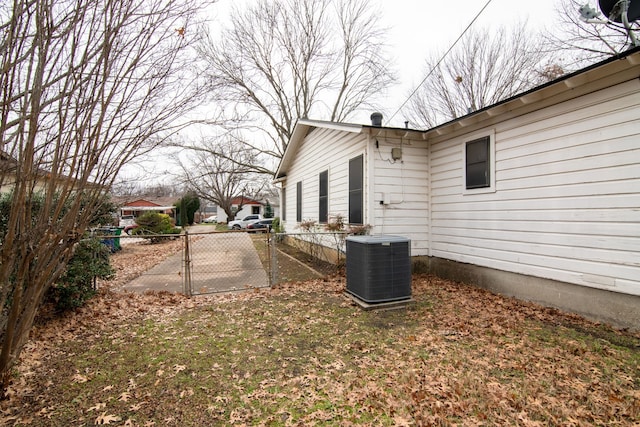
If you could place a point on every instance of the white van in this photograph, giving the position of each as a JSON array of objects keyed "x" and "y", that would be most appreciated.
[{"x": 126, "y": 220}]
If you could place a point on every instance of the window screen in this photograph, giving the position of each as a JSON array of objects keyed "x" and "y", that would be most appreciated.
[
  {"x": 284, "y": 203},
  {"x": 477, "y": 163},
  {"x": 355, "y": 190},
  {"x": 299, "y": 201},
  {"x": 323, "y": 202}
]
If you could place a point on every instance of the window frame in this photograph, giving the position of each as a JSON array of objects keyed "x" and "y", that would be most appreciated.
[{"x": 491, "y": 184}]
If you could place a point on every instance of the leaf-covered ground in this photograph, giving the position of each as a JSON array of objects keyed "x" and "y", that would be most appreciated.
[{"x": 303, "y": 354}]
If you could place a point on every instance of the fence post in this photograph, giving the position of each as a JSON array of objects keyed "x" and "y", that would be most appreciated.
[
  {"x": 187, "y": 265},
  {"x": 273, "y": 279}
]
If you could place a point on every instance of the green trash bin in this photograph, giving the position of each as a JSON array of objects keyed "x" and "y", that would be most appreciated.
[{"x": 116, "y": 231}]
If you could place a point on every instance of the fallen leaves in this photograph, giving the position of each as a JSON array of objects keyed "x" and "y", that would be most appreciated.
[
  {"x": 105, "y": 418},
  {"x": 304, "y": 355}
]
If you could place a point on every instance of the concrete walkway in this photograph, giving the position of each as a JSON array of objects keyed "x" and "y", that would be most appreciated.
[{"x": 220, "y": 262}]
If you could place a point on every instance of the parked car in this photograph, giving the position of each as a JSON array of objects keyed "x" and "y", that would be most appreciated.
[
  {"x": 126, "y": 220},
  {"x": 260, "y": 226},
  {"x": 242, "y": 223},
  {"x": 129, "y": 228},
  {"x": 211, "y": 220}
]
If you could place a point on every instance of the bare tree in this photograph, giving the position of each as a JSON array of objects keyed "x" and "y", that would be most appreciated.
[
  {"x": 85, "y": 87},
  {"x": 280, "y": 60},
  {"x": 220, "y": 170},
  {"x": 586, "y": 42},
  {"x": 484, "y": 68}
]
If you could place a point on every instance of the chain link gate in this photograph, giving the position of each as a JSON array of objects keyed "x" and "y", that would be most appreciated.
[
  {"x": 215, "y": 262},
  {"x": 218, "y": 261}
]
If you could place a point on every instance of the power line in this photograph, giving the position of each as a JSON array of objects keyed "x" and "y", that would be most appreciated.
[{"x": 441, "y": 59}]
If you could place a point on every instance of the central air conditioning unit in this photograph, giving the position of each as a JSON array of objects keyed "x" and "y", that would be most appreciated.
[{"x": 379, "y": 268}]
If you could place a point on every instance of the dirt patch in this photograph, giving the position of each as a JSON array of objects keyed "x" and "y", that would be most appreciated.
[{"x": 319, "y": 265}]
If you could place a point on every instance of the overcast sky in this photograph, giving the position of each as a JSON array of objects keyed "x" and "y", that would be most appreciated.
[{"x": 417, "y": 28}]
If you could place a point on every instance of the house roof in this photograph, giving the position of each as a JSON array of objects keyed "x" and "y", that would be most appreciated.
[
  {"x": 304, "y": 126},
  {"x": 9, "y": 166},
  {"x": 145, "y": 201},
  {"x": 244, "y": 200},
  {"x": 615, "y": 69}
]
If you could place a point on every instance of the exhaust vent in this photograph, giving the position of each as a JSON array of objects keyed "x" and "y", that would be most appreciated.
[{"x": 376, "y": 119}]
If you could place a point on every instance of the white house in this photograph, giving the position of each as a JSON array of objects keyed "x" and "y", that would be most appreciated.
[
  {"x": 537, "y": 196},
  {"x": 247, "y": 207}
]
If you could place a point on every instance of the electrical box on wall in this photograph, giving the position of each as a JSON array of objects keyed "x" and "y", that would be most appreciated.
[{"x": 396, "y": 153}]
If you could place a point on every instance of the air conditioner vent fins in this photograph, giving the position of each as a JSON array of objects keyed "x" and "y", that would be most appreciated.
[{"x": 379, "y": 268}]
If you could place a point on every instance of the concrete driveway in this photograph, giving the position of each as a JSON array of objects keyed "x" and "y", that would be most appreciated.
[{"x": 220, "y": 262}]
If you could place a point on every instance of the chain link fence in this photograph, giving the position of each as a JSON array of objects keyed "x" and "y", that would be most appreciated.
[
  {"x": 198, "y": 263},
  {"x": 238, "y": 260},
  {"x": 306, "y": 256}
]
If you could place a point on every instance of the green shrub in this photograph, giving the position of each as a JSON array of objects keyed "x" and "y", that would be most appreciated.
[
  {"x": 268, "y": 210},
  {"x": 76, "y": 286},
  {"x": 153, "y": 224},
  {"x": 186, "y": 208},
  {"x": 276, "y": 226}
]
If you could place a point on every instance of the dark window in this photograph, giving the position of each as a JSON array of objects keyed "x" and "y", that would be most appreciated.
[
  {"x": 299, "y": 201},
  {"x": 255, "y": 209},
  {"x": 355, "y": 190},
  {"x": 284, "y": 204},
  {"x": 477, "y": 163},
  {"x": 323, "y": 207}
]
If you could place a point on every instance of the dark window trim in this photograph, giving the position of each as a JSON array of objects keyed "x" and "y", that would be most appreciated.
[
  {"x": 299, "y": 201},
  {"x": 323, "y": 197},
  {"x": 478, "y": 163},
  {"x": 356, "y": 184},
  {"x": 284, "y": 203}
]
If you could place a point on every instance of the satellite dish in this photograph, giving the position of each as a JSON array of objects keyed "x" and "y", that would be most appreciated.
[{"x": 612, "y": 9}]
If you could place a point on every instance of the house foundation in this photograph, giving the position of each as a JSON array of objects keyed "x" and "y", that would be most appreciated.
[{"x": 616, "y": 309}]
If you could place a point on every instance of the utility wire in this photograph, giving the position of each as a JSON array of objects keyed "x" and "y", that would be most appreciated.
[{"x": 442, "y": 58}]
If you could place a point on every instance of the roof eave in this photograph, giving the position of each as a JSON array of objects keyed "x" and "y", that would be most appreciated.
[
  {"x": 563, "y": 83},
  {"x": 300, "y": 131}
]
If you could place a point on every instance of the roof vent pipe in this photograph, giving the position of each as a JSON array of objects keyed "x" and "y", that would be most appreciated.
[{"x": 376, "y": 119}]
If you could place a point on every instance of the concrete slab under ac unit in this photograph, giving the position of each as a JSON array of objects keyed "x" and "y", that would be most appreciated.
[{"x": 391, "y": 305}]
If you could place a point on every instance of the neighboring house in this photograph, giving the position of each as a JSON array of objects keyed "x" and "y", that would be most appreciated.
[
  {"x": 9, "y": 168},
  {"x": 537, "y": 196},
  {"x": 249, "y": 207},
  {"x": 141, "y": 206}
]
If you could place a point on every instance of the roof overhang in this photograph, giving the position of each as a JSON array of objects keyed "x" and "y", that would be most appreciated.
[
  {"x": 146, "y": 208},
  {"x": 614, "y": 69},
  {"x": 300, "y": 131}
]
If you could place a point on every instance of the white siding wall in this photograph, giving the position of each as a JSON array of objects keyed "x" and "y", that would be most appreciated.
[
  {"x": 403, "y": 186},
  {"x": 322, "y": 149},
  {"x": 567, "y": 200}
]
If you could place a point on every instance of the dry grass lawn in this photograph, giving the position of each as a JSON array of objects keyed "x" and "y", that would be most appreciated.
[{"x": 303, "y": 355}]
